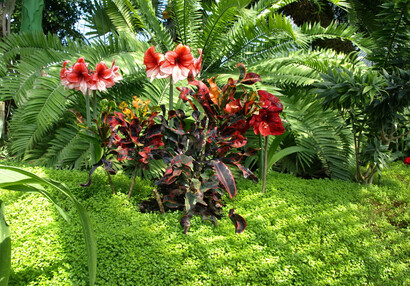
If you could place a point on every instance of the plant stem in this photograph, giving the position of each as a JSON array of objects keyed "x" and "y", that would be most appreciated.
[
  {"x": 261, "y": 163},
  {"x": 111, "y": 184},
  {"x": 158, "y": 198},
  {"x": 171, "y": 94},
  {"x": 88, "y": 114},
  {"x": 265, "y": 166},
  {"x": 134, "y": 175},
  {"x": 94, "y": 105}
]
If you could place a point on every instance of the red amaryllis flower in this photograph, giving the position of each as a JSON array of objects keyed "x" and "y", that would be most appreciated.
[
  {"x": 267, "y": 122},
  {"x": 406, "y": 161},
  {"x": 196, "y": 65},
  {"x": 268, "y": 100},
  {"x": 104, "y": 77},
  {"x": 178, "y": 63},
  {"x": 153, "y": 62},
  {"x": 77, "y": 76}
]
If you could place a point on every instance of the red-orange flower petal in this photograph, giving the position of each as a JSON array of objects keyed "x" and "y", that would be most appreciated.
[
  {"x": 178, "y": 63},
  {"x": 152, "y": 62}
]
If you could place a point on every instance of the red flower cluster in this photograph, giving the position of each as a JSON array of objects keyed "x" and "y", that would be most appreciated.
[
  {"x": 268, "y": 122},
  {"x": 177, "y": 63},
  {"x": 79, "y": 77},
  {"x": 406, "y": 161}
]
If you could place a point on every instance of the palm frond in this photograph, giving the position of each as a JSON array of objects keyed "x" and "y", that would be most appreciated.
[
  {"x": 340, "y": 31},
  {"x": 46, "y": 102},
  {"x": 302, "y": 68},
  {"x": 187, "y": 16},
  {"x": 393, "y": 35},
  {"x": 250, "y": 41},
  {"x": 271, "y": 4},
  {"x": 222, "y": 15},
  {"x": 155, "y": 29},
  {"x": 322, "y": 132},
  {"x": 67, "y": 148}
]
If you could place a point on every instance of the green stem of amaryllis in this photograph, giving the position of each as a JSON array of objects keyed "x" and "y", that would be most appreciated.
[
  {"x": 88, "y": 114},
  {"x": 171, "y": 94},
  {"x": 260, "y": 162},
  {"x": 94, "y": 105},
  {"x": 265, "y": 165}
]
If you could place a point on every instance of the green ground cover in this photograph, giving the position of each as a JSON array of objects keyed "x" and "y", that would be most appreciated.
[{"x": 301, "y": 232}]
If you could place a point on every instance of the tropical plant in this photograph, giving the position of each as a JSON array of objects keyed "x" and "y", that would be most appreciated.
[
  {"x": 253, "y": 32},
  {"x": 47, "y": 127},
  {"x": 16, "y": 179},
  {"x": 197, "y": 151}
]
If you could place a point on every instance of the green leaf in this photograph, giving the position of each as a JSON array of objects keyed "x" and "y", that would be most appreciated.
[
  {"x": 367, "y": 88},
  {"x": 5, "y": 248},
  {"x": 21, "y": 175},
  {"x": 285, "y": 152}
]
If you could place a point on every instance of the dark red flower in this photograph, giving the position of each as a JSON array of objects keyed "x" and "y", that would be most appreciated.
[
  {"x": 406, "y": 161},
  {"x": 268, "y": 100},
  {"x": 267, "y": 122}
]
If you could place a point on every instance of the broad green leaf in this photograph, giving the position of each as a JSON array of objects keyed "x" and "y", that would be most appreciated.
[
  {"x": 285, "y": 152},
  {"x": 5, "y": 248}
]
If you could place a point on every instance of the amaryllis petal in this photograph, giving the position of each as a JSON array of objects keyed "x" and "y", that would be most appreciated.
[
  {"x": 196, "y": 65},
  {"x": 268, "y": 100},
  {"x": 267, "y": 122},
  {"x": 152, "y": 62},
  {"x": 178, "y": 63}
]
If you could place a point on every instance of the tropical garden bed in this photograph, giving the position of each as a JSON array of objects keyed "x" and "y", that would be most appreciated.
[
  {"x": 300, "y": 232},
  {"x": 145, "y": 159}
]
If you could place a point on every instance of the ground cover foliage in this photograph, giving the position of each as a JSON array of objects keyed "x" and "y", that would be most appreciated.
[{"x": 300, "y": 232}]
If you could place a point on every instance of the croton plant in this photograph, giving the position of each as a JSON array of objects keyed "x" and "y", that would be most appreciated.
[{"x": 198, "y": 146}]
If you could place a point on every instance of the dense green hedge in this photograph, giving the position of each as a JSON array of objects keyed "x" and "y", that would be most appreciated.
[{"x": 301, "y": 232}]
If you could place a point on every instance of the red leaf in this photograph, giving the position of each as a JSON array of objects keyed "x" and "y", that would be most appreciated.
[
  {"x": 238, "y": 221},
  {"x": 225, "y": 177},
  {"x": 251, "y": 78}
]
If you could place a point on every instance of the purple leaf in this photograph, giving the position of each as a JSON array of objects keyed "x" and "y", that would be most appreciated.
[
  {"x": 238, "y": 221},
  {"x": 185, "y": 222},
  {"x": 225, "y": 177}
]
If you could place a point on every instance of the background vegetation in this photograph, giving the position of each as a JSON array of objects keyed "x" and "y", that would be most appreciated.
[{"x": 301, "y": 232}]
